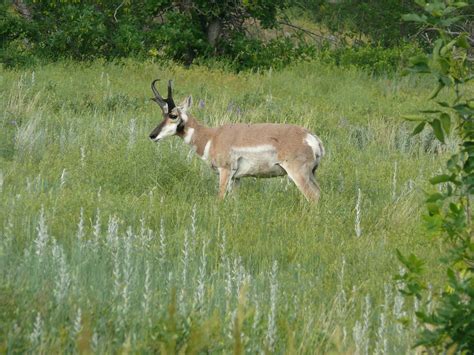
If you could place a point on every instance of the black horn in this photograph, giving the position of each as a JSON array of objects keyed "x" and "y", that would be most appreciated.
[
  {"x": 169, "y": 100},
  {"x": 159, "y": 99}
]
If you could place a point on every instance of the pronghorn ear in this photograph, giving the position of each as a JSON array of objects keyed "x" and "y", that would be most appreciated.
[{"x": 187, "y": 103}]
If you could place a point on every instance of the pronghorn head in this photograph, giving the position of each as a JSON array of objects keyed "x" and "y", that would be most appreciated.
[{"x": 174, "y": 117}]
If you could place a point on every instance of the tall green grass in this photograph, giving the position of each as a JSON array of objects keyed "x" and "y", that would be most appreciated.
[{"x": 109, "y": 242}]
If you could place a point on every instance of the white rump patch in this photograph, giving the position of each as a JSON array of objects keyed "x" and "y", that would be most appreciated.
[
  {"x": 189, "y": 135},
  {"x": 315, "y": 145},
  {"x": 207, "y": 148}
]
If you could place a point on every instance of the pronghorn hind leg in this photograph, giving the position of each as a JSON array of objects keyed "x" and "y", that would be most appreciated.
[
  {"x": 304, "y": 181},
  {"x": 314, "y": 185}
]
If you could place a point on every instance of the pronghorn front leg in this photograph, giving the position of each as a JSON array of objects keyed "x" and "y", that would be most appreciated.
[{"x": 224, "y": 180}]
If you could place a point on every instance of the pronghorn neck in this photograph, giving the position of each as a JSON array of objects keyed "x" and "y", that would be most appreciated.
[{"x": 197, "y": 135}]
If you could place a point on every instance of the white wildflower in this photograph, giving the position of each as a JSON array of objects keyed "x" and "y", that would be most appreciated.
[
  {"x": 83, "y": 157},
  {"x": 77, "y": 325},
  {"x": 63, "y": 179},
  {"x": 147, "y": 290},
  {"x": 42, "y": 237},
  {"x": 80, "y": 228},
  {"x": 162, "y": 252},
  {"x": 358, "y": 229},
  {"x": 63, "y": 279},
  {"x": 271, "y": 331},
  {"x": 37, "y": 334}
]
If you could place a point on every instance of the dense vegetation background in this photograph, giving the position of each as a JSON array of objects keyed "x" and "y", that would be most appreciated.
[{"x": 240, "y": 35}]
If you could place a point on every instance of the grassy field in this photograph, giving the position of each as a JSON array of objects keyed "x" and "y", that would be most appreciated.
[{"x": 111, "y": 243}]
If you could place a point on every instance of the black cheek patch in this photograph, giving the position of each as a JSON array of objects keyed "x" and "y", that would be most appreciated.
[{"x": 180, "y": 128}]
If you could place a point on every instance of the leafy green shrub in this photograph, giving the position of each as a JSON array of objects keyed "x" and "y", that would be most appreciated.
[
  {"x": 163, "y": 30},
  {"x": 17, "y": 54},
  {"x": 77, "y": 32},
  {"x": 17, "y": 47},
  {"x": 178, "y": 39},
  {"x": 127, "y": 41},
  {"x": 449, "y": 328},
  {"x": 374, "y": 59},
  {"x": 167, "y": 30},
  {"x": 250, "y": 53},
  {"x": 380, "y": 21}
]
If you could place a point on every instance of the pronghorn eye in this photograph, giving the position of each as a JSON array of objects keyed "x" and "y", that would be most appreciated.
[{"x": 173, "y": 117}]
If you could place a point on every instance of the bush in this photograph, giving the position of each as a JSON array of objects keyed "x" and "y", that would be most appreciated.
[
  {"x": 449, "y": 326},
  {"x": 17, "y": 54},
  {"x": 84, "y": 31},
  {"x": 250, "y": 53},
  {"x": 374, "y": 59},
  {"x": 127, "y": 41},
  {"x": 77, "y": 32},
  {"x": 178, "y": 39},
  {"x": 17, "y": 47}
]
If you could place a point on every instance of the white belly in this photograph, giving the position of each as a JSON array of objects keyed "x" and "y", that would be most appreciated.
[{"x": 260, "y": 161}]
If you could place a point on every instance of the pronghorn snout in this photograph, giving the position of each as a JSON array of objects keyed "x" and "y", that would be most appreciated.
[{"x": 156, "y": 132}]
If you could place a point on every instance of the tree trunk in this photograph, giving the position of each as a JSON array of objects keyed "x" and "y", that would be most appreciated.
[
  {"x": 23, "y": 9},
  {"x": 183, "y": 5},
  {"x": 214, "y": 31}
]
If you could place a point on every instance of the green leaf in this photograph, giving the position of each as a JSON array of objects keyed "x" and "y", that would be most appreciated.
[
  {"x": 448, "y": 47},
  {"x": 437, "y": 130},
  {"x": 445, "y": 122},
  {"x": 463, "y": 42},
  {"x": 430, "y": 111},
  {"x": 433, "y": 222},
  {"x": 434, "y": 197},
  {"x": 443, "y": 103},
  {"x": 433, "y": 208},
  {"x": 451, "y": 276},
  {"x": 418, "y": 59},
  {"x": 449, "y": 21},
  {"x": 452, "y": 163},
  {"x": 437, "y": 48},
  {"x": 464, "y": 109},
  {"x": 460, "y": 4},
  {"x": 415, "y": 118},
  {"x": 454, "y": 208},
  {"x": 414, "y": 18},
  {"x": 436, "y": 91},
  {"x": 400, "y": 257},
  {"x": 419, "y": 128},
  {"x": 440, "y": 179},
  {"x": 447, "y": 80}
]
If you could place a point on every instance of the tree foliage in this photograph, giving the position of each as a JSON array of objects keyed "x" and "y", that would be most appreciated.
[
  {"x": 451, "y": 324},
  {"x": 373, "y": 21},
  {"x": 179, "y": 30},
  {"x": 381, "y": 21}
]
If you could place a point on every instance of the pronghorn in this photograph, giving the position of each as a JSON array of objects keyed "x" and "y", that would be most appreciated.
[{"x": 240, "y": 150}]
